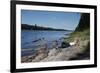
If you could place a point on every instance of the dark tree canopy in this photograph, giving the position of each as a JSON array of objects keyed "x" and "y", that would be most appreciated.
[
  {"x": 84, "y": 22},
  {"x": 36, "y": 27}
]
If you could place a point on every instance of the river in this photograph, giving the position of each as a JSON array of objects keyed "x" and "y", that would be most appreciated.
[{"x": 31, "y": 39}]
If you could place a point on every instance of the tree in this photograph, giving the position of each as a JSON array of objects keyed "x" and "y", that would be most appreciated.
[{"x": 84, "y": 22}]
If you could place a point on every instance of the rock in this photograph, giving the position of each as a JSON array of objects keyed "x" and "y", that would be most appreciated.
[
  {"x": 41, "y": 54},
  {"x": 60, "y": 54},
  {"x": 53, "y": 52},
  {"x": 40, "y": 57},
  {"x": 24, "y": 59},
  {"x": 64, "y": 45}
]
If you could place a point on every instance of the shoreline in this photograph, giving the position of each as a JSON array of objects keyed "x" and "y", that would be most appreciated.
[
  {"x": 59, "y": 54},
  {"x": 49, "y": 45}
]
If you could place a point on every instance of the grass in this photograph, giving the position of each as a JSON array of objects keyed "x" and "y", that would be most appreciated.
[{"x": 82, "y": 35}]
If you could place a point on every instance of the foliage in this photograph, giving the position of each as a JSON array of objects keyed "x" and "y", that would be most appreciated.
[
  {"x": 36, "y": 27},
  {"x": 84, "y": 22}
]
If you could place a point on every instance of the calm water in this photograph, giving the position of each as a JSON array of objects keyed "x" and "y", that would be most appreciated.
[{"x": 33, "y": 39}]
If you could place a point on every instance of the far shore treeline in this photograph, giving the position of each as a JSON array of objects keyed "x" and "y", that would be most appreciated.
[{"x": 36, "y": 27}]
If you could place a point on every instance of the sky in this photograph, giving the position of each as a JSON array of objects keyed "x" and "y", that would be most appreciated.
[{"x": 53, "y": 19}]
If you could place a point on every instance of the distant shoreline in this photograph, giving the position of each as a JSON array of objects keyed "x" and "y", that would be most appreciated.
[
  {"x": 45, "y": 30},
  {"x": 38, "y": 28}
]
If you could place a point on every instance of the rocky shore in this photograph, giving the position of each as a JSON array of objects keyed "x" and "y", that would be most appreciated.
[{"x": 74, "y": 52}]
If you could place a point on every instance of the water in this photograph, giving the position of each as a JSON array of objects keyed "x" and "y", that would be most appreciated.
[{"x": 31, "y": 39}]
